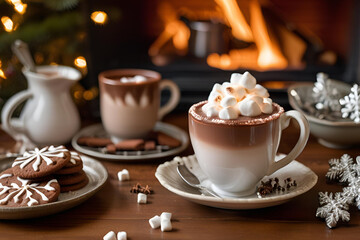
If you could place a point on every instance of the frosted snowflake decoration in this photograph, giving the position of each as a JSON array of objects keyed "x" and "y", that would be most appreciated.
[
  {"x": 353, "y": 192},
  {"x": 325, "y": 94},
  {"x": 14, "y": 191},
  {"x": 335, "y": 207},
  {"x": 351, "y": 104},
  {"x": 37, "y": 156},
  {"x": 344, "y": 168}
]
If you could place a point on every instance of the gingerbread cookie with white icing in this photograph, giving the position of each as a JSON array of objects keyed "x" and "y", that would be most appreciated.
[
  {"x": 18, "y": 192},
  {"x": 75, "y": 186},
  {"x": 68, "y": 179},
  {"x": 38, "y": 163},
  {"x": 71, "y": 182},
  {"x": 73, "y": 166}
]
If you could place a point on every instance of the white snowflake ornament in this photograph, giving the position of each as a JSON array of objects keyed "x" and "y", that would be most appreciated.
[
  {"x": 342, "y": 169},
  {"x": 351, "y": 104},
  {"x": 352, "y": 192},
  {"x": 325, "y": 94},
  {"x": 334, "y": 207}
]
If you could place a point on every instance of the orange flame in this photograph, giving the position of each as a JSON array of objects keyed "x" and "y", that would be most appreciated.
[
  {"x": 270, "y": 55},
  {"x": 266, "y": 54},
  {"x": 240, "y": 29},
  {"x": 175, "y": 30}
]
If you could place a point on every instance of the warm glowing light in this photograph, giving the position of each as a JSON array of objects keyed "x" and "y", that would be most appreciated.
[
  {"x": 239, "y": 27},
  {"x": 20, "y": 8},
  {"x": 88, "y": 95},
  {"x": 53, "y": 63},
  {"x": 175, "y": 30},
  {"x": 99, "y": 17},
  {"x": 39, "y": 57},
  {"x": 80, "y": 62},
  {"x": 77, "y": 94},
  {"x": 181, "y": 36},
  {"x": 2, "y": 74},
  {"x": 7, "y": 23},
  {"x": 270, "y": 55},
  {"x": 266, "y": 54}
]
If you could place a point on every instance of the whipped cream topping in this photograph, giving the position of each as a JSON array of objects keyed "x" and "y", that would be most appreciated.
[
  {"x": 135, "y": 79},
  {"x": 240, "y": 96}
]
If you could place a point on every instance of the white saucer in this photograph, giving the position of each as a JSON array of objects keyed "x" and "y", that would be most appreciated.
[
  {"x": 167, "y": 175},
  {"x": 98, "y": 131},
  {"x": 97, "y": 175}
]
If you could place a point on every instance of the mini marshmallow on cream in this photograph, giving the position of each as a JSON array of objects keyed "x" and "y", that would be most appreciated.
[{"x": 241, "y": 96}]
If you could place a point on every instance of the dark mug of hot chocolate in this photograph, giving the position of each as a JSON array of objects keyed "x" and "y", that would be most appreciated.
[
  {"x": 130, "y": 101},
  {"x": 237, "y": 151}
]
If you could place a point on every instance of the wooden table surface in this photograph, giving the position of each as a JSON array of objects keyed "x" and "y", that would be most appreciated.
[{"x": 114, "y": 208}]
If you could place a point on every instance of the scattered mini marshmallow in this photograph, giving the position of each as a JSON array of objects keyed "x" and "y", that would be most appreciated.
[
  {"x": 110, "y": 236},
  {"x": 266, "y": 107},
  {"x": 123, "y": 175},
  {"x": 259, "y": 100},
  {"x": 166, "y": 215},
  {"x": 155, "y": 221},
  {"x": 217, "y": 87},
  {"x": 239, "y": 93},
  {"x": 122, "y": 235},
  {"x": 228, "y": 113},
  {"x": 215, "y": 96},
  {"x": 142, "y": 198},
  {"x": 137, "y": 79},
  {"x": 248, "y": 81},
  {"x": 235, "y": 78},
  {"x": 249, "y": 108},
  {"x": 260, "y": 91},
  {"x": 228, "y": 101},
  {"x": 165, "y": 224},
  {"x": 210, "y": 110}
]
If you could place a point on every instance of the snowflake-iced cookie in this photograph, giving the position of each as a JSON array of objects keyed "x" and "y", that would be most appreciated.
[
  {"x": 41, "y": 162},
  {"x": 15, "y": 191},
  {"x": 71, "y": 182},
  {"x": 73, "y": 166}
]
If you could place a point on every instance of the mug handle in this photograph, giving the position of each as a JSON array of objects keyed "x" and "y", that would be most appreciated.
[
  {"x": 9, "y": 109},
  {"x": 174, "y": 98},
  {"x": 304, "y": 135}
]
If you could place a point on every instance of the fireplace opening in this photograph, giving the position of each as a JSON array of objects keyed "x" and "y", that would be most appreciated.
[{"x": 199, "y": 43}]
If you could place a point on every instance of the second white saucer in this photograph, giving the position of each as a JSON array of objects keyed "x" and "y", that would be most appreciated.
[{"x": 168, "y": 177}]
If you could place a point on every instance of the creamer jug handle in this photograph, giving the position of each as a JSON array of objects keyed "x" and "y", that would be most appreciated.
[{"x": 9, "y": 109}]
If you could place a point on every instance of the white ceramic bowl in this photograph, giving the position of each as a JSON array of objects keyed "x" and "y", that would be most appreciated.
[{"x": 339, "y": 133}]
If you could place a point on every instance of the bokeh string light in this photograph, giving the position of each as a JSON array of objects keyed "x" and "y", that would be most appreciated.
[{"x": 10, "y": 23}]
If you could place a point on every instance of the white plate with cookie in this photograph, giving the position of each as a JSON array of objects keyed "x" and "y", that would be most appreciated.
[
  {"x": 97, "y": 175},
  {"x": 168, "y": 177},
  {"x": 98, "y": 131}
]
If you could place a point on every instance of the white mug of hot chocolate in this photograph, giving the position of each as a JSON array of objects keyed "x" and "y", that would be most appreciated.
[
  {"x": 130, "y": 101},
  {"x": 236, "y": 133}
]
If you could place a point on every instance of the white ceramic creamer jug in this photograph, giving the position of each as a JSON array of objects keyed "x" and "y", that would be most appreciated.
[{"x": 50, "y": 115}]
